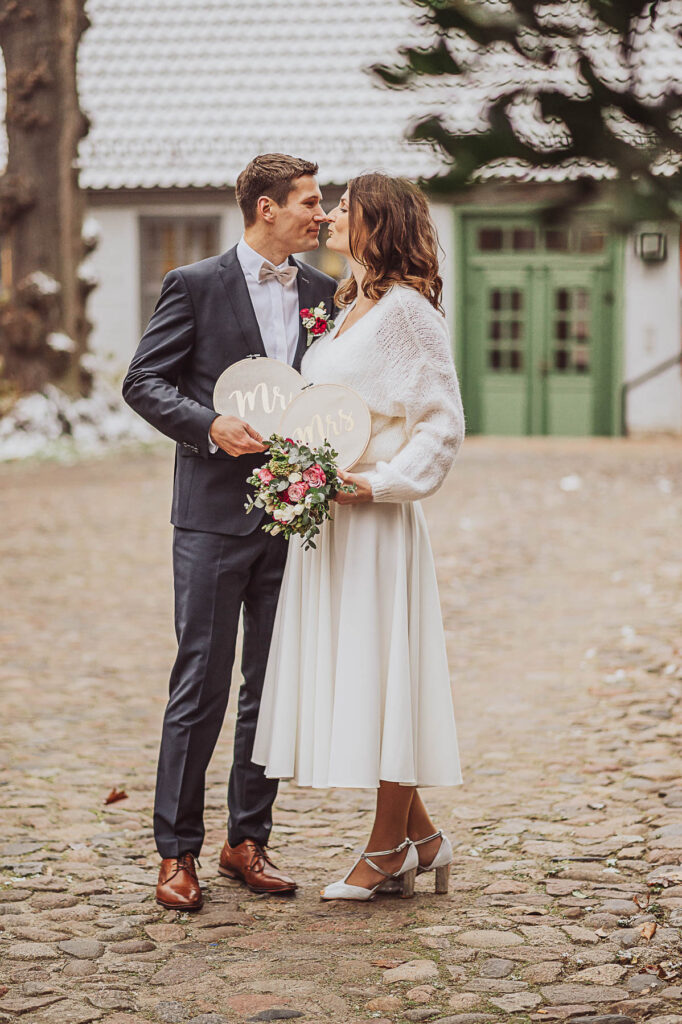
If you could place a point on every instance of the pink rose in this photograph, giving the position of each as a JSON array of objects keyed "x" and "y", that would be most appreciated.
[
  {"x": 305, "y": 312},
  {"x": 297, "y": 492},
  {"x": 265, "y": 476},
  {"x": 315, "y": 476}
]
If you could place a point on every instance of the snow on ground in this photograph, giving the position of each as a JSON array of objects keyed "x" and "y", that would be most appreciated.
[{"x": 49, "y": 424}]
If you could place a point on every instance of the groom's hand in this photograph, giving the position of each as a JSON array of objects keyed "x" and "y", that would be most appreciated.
[{"x": 235, "y": 436}]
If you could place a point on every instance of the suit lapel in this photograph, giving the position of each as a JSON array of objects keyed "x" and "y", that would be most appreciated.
[
  {"x": 305, "y": 300},
  {"x": 232, "y": 277}
]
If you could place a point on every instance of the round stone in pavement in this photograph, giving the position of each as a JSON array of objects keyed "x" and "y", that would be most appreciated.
[
  {"x": 83, "y": 949},
  {"x": 33, "y": 951},
  {"x": 515, "y": 1002},
  {"x": 275, "y": 1014},
  {"x": 644, "y": 983},
  {"x": 111, "y": 999},
  {"x": 571, "y": 993},
  {"x": 497, "y": 968},
  {"x": 465, "y": 1018},
  {"x": 413, "y": 970},
  {"x": 272, "y": 1014},
  {"x": 79, "y": 968},
  {"x": 621, "y": 908},
  {"x": 484, "y": 939},
  {"x": 606, "y": 1018},
  {"x": 170, "y": 1012},
  {"x": 132, "y": 946}
]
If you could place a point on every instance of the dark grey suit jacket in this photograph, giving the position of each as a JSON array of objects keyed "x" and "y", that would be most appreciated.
[{"x": 203, "y": 322}]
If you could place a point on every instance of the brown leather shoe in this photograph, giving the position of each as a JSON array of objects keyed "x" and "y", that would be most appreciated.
[
  {"x": 178, "y": 886},
  {"x": 250, "y": 862}
]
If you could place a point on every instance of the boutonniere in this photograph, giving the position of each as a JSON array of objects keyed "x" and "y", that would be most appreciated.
[{"x": 316, "y": 322}]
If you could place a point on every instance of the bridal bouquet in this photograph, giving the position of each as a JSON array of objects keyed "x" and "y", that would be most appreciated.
[{"x": 295, "y": 487}]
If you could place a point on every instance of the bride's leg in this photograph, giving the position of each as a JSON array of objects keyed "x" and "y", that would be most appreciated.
[
  {"x": 389, "y": 830},
  {"x": 419, "y": 825}
]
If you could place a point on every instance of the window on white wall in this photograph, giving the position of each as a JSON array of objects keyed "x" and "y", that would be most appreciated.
[{"x": 169, "y": 242}]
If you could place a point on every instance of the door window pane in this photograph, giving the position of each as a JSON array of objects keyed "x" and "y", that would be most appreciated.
[
  {"x": 591, "y": 241},
  {"x": 506, "y": 330},
  {"x": 490, "y": 239},
  {"x": 571, "y": 330},
  {"x": 557, "y": 240},
  {"x": 169, "y": 242},
  {"x": 523, "y": 239}
]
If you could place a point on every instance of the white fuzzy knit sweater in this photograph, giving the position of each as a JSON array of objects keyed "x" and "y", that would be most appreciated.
[{"x": 398, "y": 357}]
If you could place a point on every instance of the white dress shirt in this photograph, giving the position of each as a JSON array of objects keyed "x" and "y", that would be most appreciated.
[{"x": 275, "y": 306}]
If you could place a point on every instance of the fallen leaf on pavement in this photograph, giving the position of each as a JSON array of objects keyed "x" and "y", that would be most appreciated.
[
  {"x": 669, "y": 969},
  {"x": 116, "y": 794},
  {"x": 647, "y": 929}
]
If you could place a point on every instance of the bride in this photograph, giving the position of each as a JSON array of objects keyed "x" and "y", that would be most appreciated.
[{"x": 357, "y": 689}]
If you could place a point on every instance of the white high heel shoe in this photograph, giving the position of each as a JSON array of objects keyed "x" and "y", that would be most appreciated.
[
  {"x": 440, "y": 864},
  {"x": 402, "y": 879}
]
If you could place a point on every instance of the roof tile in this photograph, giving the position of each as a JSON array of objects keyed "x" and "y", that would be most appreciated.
[{"x": 184, "y": 92}]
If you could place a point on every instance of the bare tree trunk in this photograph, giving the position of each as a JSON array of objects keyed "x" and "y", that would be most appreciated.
[{"x": 43, "y": 327}]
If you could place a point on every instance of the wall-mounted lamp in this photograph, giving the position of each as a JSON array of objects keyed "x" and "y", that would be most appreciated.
[{"x": 651, "y": 246}]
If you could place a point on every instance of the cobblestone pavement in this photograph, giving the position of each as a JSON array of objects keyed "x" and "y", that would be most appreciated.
[{"x": 560, "y": 568}]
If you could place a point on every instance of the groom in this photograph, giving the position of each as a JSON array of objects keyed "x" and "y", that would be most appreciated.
[{"x": 211, "y": 314}]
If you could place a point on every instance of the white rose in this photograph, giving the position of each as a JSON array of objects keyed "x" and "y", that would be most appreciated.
[
  {"x": 284, "y": 515},
  {"x": 295, "y": 478},
  {"x": 298, "y": 509},
  {"x": 320, "y": 311}
]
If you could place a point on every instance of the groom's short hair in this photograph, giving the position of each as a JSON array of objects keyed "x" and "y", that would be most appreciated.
[{"x": 272, "y": 175}]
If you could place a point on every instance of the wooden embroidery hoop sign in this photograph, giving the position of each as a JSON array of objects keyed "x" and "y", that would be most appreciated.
[
  {"x": 274, "y": 399},
  {"x": 259, "y": 390},
  {"x": 332, "y": 412}
]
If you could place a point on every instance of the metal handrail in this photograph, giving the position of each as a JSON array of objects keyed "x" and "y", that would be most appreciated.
[{"x": 629, "y": 385}]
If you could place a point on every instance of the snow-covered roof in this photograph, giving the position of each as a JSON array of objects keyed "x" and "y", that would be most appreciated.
[
  {"x": 182, "y": 93},
  {"x": 186, "y": 92}
]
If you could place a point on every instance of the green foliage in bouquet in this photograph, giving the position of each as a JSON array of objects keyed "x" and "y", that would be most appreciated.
[{"x": 295, "y": 487}]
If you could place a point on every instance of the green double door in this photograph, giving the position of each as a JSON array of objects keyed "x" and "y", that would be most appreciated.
[{"x": 538, "y": 325}]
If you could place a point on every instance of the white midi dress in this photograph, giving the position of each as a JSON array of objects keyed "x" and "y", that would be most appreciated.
[{"x": 357, "y": 687}]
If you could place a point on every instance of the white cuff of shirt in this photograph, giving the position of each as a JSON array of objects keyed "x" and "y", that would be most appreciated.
[{"x": 212, "y": 446}]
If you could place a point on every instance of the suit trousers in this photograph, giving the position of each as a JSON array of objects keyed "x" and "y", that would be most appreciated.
[{"x": 215, "y": 577}]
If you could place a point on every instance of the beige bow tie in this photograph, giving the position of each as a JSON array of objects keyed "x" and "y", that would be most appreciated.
[{"x": 285, "y": 275}]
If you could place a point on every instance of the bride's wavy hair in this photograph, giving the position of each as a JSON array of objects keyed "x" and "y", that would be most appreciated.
[{"x": 392, "y": 235}]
